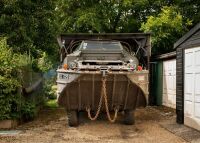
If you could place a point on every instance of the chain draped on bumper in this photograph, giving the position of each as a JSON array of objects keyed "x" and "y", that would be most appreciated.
[{"x": 103, "y": 96}]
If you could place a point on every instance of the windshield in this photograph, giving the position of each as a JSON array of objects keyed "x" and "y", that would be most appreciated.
[{"x": 101, "y": 45}]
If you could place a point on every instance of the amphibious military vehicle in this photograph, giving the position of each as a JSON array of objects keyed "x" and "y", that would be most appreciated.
[{"x": 103, "y": 73}]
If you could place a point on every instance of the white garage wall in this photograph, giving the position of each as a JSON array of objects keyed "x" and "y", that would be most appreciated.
[
  {"x": 192, "y": 88},
  {"x": 169, "y": 83}
]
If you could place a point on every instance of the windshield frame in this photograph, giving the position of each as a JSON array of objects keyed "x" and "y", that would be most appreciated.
[{"x": 106, "y": 46}]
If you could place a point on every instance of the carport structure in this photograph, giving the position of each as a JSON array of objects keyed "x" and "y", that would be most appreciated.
[{"x": 188, "y": 78}]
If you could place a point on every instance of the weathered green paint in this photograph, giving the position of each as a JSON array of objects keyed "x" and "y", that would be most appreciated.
[
  {"x": 159, "y": 87},
  {"x": 157, "y": 82}
]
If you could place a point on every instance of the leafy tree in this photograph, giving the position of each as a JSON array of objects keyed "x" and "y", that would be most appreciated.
[
  {"x": 86, "y": 16},
  {"x": 106, "y": 15},
  {"x": 190, "y": 9},
  {"x": 30, "y": 26},
  {"x": 166, "y": 28}
]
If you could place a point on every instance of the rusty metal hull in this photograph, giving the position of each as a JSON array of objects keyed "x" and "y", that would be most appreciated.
[{"x": 124, "y": 91}]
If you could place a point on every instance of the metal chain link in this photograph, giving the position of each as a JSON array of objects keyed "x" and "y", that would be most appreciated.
[
  {"x": 103, "y": 94},
  {"x": 98, "y": 109},
  {"x": 106, "y": 103}
]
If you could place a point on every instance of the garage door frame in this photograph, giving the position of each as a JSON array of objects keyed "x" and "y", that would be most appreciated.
[
  {"x": 169, "y": 83},
  {"x": 191, "y": 88}
]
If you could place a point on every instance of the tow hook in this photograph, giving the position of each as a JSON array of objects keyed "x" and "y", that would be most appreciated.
[{"x": 104, "y": 71}]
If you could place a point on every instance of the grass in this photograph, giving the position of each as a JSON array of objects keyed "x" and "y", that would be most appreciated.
[{"x": 52, "y": 103}]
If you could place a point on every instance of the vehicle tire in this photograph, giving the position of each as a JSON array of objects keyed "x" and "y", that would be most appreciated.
[
  {"x": 129, "y": 117},
  {"x": 72, "y": 116}
]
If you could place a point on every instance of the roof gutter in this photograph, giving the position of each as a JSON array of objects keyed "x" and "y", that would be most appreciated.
[{"x": 166, "y": 56}]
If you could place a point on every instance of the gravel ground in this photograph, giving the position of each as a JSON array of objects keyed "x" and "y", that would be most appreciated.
[{"x": 51, "y": 127}]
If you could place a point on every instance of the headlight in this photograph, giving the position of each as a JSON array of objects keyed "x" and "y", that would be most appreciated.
[{"x": 72, "y": 65}]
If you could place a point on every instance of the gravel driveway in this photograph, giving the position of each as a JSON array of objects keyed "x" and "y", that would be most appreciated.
[{"x": 51, "y": 127}]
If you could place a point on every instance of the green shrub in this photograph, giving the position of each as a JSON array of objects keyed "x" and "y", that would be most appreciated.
[
  {"x": 9, "y": 83},
  {"x": 28, "y": 110},
  {"x": 50, "y": 88},
  {"x": 12, "y": 103},
  {"x": 52, "y": 103},
  {"x": 9, "y": 98}
]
